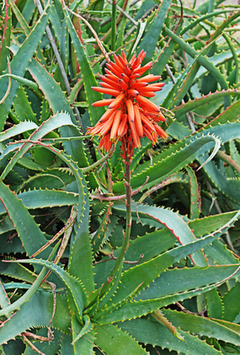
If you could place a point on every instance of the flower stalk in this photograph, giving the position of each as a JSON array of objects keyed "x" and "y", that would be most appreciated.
[
  {"x": 127, "y": 234},
  {"x": 129, "y": 117}
]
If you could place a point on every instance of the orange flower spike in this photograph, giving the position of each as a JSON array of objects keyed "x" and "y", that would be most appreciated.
[
  {"x": 150, "y": 88},
  {"x": 95, "y": 130},
  {"x": 130, "y": 115},
  {"x": 132, "y": 59},
  {"x": 160, "y": 117}
]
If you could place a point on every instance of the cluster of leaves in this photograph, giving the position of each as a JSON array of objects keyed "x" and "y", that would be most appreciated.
[{"x": 63, "y": 288}]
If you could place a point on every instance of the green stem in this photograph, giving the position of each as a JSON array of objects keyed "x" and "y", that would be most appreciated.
[
  {"x": 128, "y": 226},
  {"x": 114, "y": 6}
]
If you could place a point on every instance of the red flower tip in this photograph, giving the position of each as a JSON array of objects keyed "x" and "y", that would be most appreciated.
[{"x": 130, "y": 115}]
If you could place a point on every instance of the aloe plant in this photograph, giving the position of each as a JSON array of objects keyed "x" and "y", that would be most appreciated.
[{"x": 65, "y": 286}]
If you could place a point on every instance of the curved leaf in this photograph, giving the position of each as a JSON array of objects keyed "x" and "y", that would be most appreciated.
[
  {"x": 171, "y": 221},
  {"x": 118, "y": 342},
  {"x": 169, "y": 161},
  {"x": 29, "y": 232},
  {"x": 147, "y": 331},
  {"x": 36, "y": 314},
  {"x": 20, "y": 62}
]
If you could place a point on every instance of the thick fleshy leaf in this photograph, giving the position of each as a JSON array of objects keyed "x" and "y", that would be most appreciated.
[
  {"x": 20, "y": 62},
  {"x": 147, "y": 331},
  {"x": 171, "y": 221},
  {"x": 118, "y": 342}
]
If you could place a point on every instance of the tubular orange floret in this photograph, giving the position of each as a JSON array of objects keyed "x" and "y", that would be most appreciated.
[
  {"x": 139, "y": 59},
  {"x": 142, "y": 70},
  {"x": 124, "y": 57},
  {"x": 151, "y": 88},
  {"x": 136, "y": 138},
  {"x": 134, "y": 76},
  {"x": 95, "y": 130},
  {"x": 115, "y": 126},
  {"x": 105, "y": 85},
  {"x": 147, "y": 104},
  {"x": 111, "y": 76},
  {"x": 105, "y": 143},
  {"x": 149, "y": 78},
  {"x": 101, "y": 103},
  {"x": 133, "y": 92},
  {"x": 136, "y": 85},
  {"x": 161, "y": 132},
  {"x": 118, "y": 62},
  {"x": 122, "y": 61},
  {"x": 138, "y": 121},
  {"x": 106, "y": 115},
  {"x": 106, "y": 90},
  {"x": 132, "y": 59},
  {"x": 108, "y": 143},
  {"x": 128, "y": 70},
  {"x": 108, "y": 125},
  {"x": 156, "y": 116},
  {"x": 147, "y": 123},
  {"x": 112, "y": 83},
  {"x": 156, "y": 85},
  {"x": 130, "y": 110},
  {"x": 135, "y": 64},
  {"x": 114, "y": 68},
  {"x": 149, "y": 135},
  {"x": 122, "y": 84},
  {"x": 122, "y": 129},
  {"x": 125, "y": 77},
  {"x": 117, "y": 101},
  {"x": 147, "y": 93}
]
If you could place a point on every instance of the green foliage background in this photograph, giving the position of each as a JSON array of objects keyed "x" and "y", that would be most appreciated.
[{"x": 177, "y": 290}]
